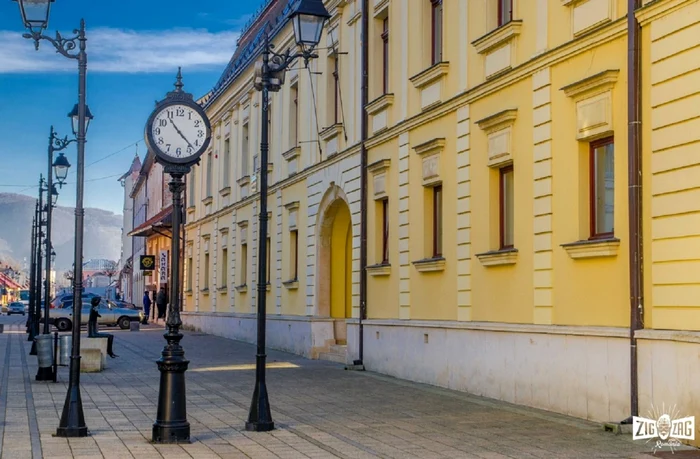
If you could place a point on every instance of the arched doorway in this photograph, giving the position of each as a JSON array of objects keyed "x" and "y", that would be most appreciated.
[{"x": 335, "y": 264}]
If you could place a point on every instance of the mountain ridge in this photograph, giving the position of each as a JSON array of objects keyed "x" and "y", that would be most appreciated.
[{"x": 102, "y": 231}]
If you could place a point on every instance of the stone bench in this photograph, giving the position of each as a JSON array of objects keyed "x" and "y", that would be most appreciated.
[
  {"x": 99, "y": 344},
  {"x": 90, "y": 360}
]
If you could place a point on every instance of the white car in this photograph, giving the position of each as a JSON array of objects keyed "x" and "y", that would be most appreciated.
[{"x": 62, "y": 318}]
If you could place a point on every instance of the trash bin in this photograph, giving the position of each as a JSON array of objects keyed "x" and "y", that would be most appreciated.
[
  {"x": 65, "y": 347},
  {"x": 135, "y": 326},
  {"x": 44, "y": 350}
]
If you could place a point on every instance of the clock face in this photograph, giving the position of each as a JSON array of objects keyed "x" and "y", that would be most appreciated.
[{"x": 179, "y": 132}]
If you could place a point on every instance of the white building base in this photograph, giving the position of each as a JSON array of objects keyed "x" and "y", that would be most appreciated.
[
  {"x": 578, "y": 371},
  {"x": 305, "y": 336}
]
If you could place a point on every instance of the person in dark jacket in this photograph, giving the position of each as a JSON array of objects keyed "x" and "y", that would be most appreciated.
[
  {"x": 162, "y": 302},
  {"x": 92, "y": 326},
  {"x": 146, "y": 307}
]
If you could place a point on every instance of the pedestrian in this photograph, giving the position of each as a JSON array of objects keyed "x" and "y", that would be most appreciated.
[
  {"x": 146, "y": 307},
  {"x": 162, "y": 302}
]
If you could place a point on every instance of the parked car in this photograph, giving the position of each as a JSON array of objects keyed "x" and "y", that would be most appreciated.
[
  {"x": 124, "y": 304},
  {"x": 63, "y": 300},
  {"x": 15, "y": 308},
  {"x": 62, "y": 318}
]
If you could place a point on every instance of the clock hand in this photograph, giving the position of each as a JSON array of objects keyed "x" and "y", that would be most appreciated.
[{"x": 181, "y": 135}]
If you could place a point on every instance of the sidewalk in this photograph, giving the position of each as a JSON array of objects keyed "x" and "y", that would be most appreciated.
[{"x": 320, "y": 410}]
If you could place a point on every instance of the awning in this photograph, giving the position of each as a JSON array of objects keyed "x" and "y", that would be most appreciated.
[
  {"x": 160, "y": 224},
  {"x": 8, "y": 282}
]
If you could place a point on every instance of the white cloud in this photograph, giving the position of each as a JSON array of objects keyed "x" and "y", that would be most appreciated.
[{"x": 123, "y": 51}]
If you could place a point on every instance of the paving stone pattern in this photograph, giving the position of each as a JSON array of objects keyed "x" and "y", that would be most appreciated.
[{"x": 321, "y": 411}]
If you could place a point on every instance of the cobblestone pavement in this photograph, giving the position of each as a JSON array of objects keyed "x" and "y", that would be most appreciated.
[{"x": 321, "y": 410}]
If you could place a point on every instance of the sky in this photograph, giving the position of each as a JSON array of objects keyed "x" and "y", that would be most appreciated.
[{"x": 134, "y": 49}]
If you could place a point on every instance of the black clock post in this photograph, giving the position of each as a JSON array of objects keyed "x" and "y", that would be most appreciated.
[{"x": 171, "y": 425}]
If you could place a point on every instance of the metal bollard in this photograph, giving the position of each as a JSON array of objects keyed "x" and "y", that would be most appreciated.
[
  {"x": 44, "y": 351},
  {"x": 55, "y": 356}
]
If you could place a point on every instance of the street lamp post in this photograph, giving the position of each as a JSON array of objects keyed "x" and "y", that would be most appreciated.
[
  {"x": 32, "y": 272},
  {"x": 55, "y": 144},
  {"x": 36, "y": 312},
  {"x": 308, "y": 19},
  {"x": 35, "y": 17}
]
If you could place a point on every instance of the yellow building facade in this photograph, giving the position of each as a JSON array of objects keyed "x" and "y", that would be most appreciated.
[{"x": 500, "y": 259}]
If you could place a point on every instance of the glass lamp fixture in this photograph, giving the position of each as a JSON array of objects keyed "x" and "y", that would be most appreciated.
[
  {"x": 35, "y": 13},
  {"x": 75, "y": 119},
  {"x": 54, "y": 195},
  {"x": 308, "y": 19},
  {"x": 60, "y": 168}
]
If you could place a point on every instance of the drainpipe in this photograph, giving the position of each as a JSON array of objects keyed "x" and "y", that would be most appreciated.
[
  {"x": 363, "y": 178},
  {"x": 635, "y": 197}
]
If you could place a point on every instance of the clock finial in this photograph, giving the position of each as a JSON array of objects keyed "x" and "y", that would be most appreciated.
[{"x": 178, "y": 83}]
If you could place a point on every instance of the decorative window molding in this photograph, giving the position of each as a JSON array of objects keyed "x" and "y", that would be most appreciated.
[
  {"x": 205, "y": 291},
  {"x": 292, "y": 158},
  {"x": 498, "y": 129},
  {"x": 379, "y": 104},
  {"x": 593, "y": 98},
  {"x": 592, "y": 249},
  {"x": 592, "y": 85},
  {"x": 292, "y": 153},
  {"x": 430, "y": 74},
  {"x": 243, "y": 181},
  {"x": 378, "y": 170},
  {"x": 379, "y": 270},
  {"x": 241, "y": 288},
  {"x": 225, "y": 191},
  {"x": 587, "y": 15},
  {"x": 291, "y": 284},
  {"x": 497, "y": 37},
  {"x": 498, "y": 257},
  {"x": 380, "y": 6},
  {"x": 243, "y": 226},
  {"x": 430, "y": 151},
  {"x": 223, "y": 289},
  {"x": 430, "y": 265},
  {"x": 331, "y": 132},
  {"x": 292, "y": 208},
  {"x": 378, "y": 110},
  {"x": 207, "y": 201},
  {"x": 205, "y": 242}
]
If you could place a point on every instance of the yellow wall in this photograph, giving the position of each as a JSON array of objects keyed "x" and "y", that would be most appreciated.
[
  {"x": 546, "y": 50},
  {"x": 672, "y": 43}
]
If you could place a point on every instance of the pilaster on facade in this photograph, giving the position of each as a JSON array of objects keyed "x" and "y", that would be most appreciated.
[
  {"x": 464, "y": 255},
  {"x": 196, "y": 275},
  {"x": 404, "y": 230},
  {"x": 314, "y": 194},
  {"x": 213, "y": 284},
  {"x": 232, "y": 263},
  {"x": 278, "y": 253},
  {"x": 542, "y": 175}
]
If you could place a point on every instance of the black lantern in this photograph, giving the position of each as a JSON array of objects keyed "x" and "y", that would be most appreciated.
[
  {"x": 73, "y": 115},
  {"x": 308, "y": 19},
  {"x": 35, "y": 13},
  {"x": 60, "y": 169},
  {"x": 54, "y": 195},
  {"x": 53, "y": 256}
]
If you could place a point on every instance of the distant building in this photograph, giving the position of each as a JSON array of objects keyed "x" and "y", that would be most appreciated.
[{"x": 126, "y": 263}]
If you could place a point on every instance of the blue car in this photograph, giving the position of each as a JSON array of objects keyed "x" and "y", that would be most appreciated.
[{"x": 15, "y": 308}]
